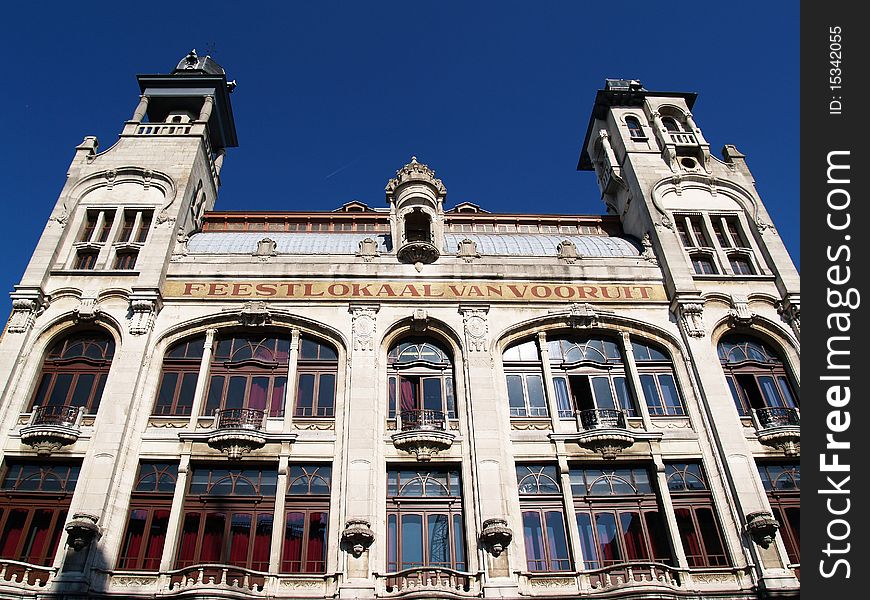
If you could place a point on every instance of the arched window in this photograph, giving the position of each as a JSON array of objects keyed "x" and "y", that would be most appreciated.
[
  {"x": 420, "y": 381},
  {"x": 306, "y": 519},
  {"x": 589, "y": 374},
  {"x": 635, "y": 130},
  {"x": 544, "y": 531},
  {"x": 656, "y": 372},
  {"x": 178, "y": 381},
  {"x": 417, "y": 227},
  {"x": 525, "y": 381},
  {"x": 249, "y": 371},
  {"x": 315, "y": 379},
  {"x": 74, "y": 372},
  {"x": 783, "y": 486},
  {"x": 756, "y": 375},
  {"x": 671, "y": 124}
]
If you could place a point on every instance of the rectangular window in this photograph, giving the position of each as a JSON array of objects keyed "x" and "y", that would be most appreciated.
[
  {"x": 697, "y": 523},
  {"x": 85, "y": 259},
  {"x": 125, "y": 261},
  {"x": 544, "y": 532},
  {"x": 782, "y": 482},
  {"x": 33, "y": 509}
]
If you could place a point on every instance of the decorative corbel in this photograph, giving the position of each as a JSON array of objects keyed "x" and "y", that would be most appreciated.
[
  {"x": 26, "y": 308},
  {"x": 761, "y": 527},
  {"x": 740, "y": 315},
  {"x": 790, "y": 310},
  {"x": 357, "y": 536},
  {"x": 496, "y": 536},
  {"x": 691, "y": 315}
]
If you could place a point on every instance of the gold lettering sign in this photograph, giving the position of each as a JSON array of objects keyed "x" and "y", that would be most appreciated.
[{"x": 429, "y": 291}]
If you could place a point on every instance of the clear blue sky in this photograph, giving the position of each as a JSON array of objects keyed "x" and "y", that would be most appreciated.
[{"x": 333, "y": 97}]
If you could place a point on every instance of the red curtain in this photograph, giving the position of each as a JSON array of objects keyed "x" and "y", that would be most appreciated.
[
  {"x": 133, "y": 539},
  {"x": 240, "y": 537},
  {"x": 316, "y": 543},
  {"x": 291, "y": 559}
]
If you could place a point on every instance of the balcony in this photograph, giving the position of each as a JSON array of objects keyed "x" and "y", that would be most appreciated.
[
  {"x": 237, "y": 431},
  {"x": 20, "y": 577},
  {"x": 428, "y": 582},
  {"x": 418, "y": 252},
  {"x": 52, "y": 427},
  {"x": 779, "y": 427},
  {"x": 683, "y": 138},
  {"x": 603, "y": 430},
  {"x": 422, "y": 431}
]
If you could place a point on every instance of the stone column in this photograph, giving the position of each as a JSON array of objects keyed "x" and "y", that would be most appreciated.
[
  {"x": 549, "y": 385},
  {"x": 202, "y": 379},
  {"x": 176, "y": 514},
  {"x": 674, "y": 539},
  {"x": 278, "y": 521},
  {"x": 207, "y": 105},
  {"x": 290, "y": 388},
  {"x": 141, "y": 109}
]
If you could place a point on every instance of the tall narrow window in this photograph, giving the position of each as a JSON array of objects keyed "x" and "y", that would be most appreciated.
[
  {"x": 757, "y": 377},
  {"x": 150, "y": 505},
  {"x": 86, "y": 260},
  {"x": 125, "y": 261},
  {"x": 420, "y": 375},
  {"x": 543, "y": 515},
  {"x": 656, "y": 372},
  {"x": 589, "y": 375},
  {"x": 33, "y": 509},
  {"x": 618, "y": 517},
  {"x": 671, "y": 124},
  {"x": 696, "y": 517},
  {"x": 315, "y": 379},
  {"x": 696, "y": 241},
  {"x": 783, "y": 486},
  {"x": 634, "y": 128},
  {"x": 525, "y": 382},
  {"x": 228, "y": 516},
  {"x": 178, "y": 380},
  {"x": 306, "y": 519},
  {"x": 249, "y": 371},
  {"x": 74, "y": 373},
  {"x": 424, "y": 520}
]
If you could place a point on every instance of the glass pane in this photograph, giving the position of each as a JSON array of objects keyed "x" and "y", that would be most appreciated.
[
  {"x": 392, "y": 399},
  {"x": 533, "y": 536},
  {"x": 603, "y": 395},
  {"x": 793, "y": 542},
  {"x": 608, "y": 544},
  {"x": 673, "y": 403},
  {"x": 185, "y": 395},
  {"x": 587, "y": 541},
  {"x": 651, "y": 395},
  {"x": 785, "y": 388},
  {"x": 213, "y": 538},
  {"x": 257, "y": 395},
  {"x": 276, "y": 405},
  {"x": 236, "y": 392},
  {"x": 326, "y": 395},
  {"x": 82, "y": 391},
  {"x": 451, "y": 401},
  {"x": 156, "y": 539},
  {"x": 215, "y": 392},
  {"x": 439, "y": 540},
  {"x": 316, "y": 551},
  {"x": 392, "y": 544},
  {"x": 188, "y": 545},
  {"x": 623, "y": 396},
  {"x": 60, "y": 391},
  {"x": 305, "y": 395},
  {"x": 537, "y": 402},
  {"x": 689, "y": 536},
  {"x": 12, "y": 533},
  {"x": 557, "y": 542},
  {"x": 710, "y": 535},
  {"x": 291, "y": 557},
  {"x": 308, "y": 349},
  {"x": 458, "y": 543},
  {"x": 39, "y": 398},
  {"x": 240, "y": 537},
  {"x": 133, "y": 539},
  {"x": 633, "y": 537},
  {"x": 563, "y": 398},
  {"x": 408, "y": 391},
  {"x": 736, "y": 397},
  {"x": 770, "y": 392},
  {"x": 515, "y": 396},
  {"x": 35, "y": 548},
  {"x": 412, "y": 541},
  {"x": 166, "y": 394},
  {"x": 432, "y": 394},
  {"x": 658, "y": 537}
]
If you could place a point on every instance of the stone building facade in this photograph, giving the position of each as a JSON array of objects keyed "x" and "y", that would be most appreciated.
[{"x": 414, "y": 401}]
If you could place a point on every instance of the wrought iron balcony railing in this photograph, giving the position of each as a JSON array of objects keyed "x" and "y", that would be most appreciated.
[
  {"x": 422, "y": 418},
  {"x": 778, "y": 417},
  {"x": 69, "y": 416},
  {"x": 601, "y": 418},
  {"x": 240, "y": 418}
]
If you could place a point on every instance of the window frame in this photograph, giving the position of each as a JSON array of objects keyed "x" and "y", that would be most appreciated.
[
  {"x": 542, "y": 501},
  {"x": 152, "y": 502},
  {"x": 416, "y": 372},
  {"x": 308, "y": 504},
  {"x": 692, "y": 502}
]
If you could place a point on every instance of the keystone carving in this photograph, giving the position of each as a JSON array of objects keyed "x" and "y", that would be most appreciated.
[
  {"x": 740, "y": 315},
  {"x": 419, "y": 321},
  {"x": 86, "y": 310},
  {"x": 255, "y": 313},
  {"x": 582, "y": 315},
  {"x": 790, "y": 310}
]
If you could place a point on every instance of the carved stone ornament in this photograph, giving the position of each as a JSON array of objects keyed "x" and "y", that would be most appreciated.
[
  {"x": 415, "y": 171},
  {"x": 265, "y": 249},
  {"x": 790, "y": 310},
  {"x": 467, "y": 250},
  {"x": 181, "y": 248},
  {"x": 86, "y": 310},
  {"x": 142, "y": 314},
  {"x": 761, "y": 527},
  {"x": 740, "y": 315},
  {"x": 476, "y": 328},
  {"x": 255, "y": 313},
  {"x": 364, "y": 326},
  {"x": 24, "y": 314},
  {"x": 419, "y": 320},
  {"x": 236, "y": 443},
  {"x": 495, "y": 536},
  {"x": 357, "y": 536},
  {"x": 582, "y": 315},
  {"x": 692, "y": 319},
  {"x": 567, "y": 251},
  {"x": 423, "y": 443},
  {"x": 368, "y": 250},
  {"x": 648, "y": 251},
  {"x": 418, "y": 253},
  {"x": 82, "y": 531}
]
